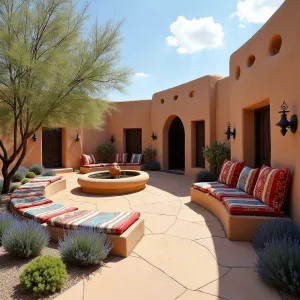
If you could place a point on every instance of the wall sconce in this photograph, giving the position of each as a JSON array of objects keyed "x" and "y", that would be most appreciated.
[
  {"x": 77, "y": 139},
  {"x": 112, "y": 139},
  {"x": 34, "y": 137},
  {"x": 284, "y": 124},
  {"x": 154, "y": 136},
  {"x": 230, "y": 133}
]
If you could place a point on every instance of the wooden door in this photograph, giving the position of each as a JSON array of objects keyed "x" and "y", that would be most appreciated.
[
  {"x": 200, "y": 144},
  {"x": 52, "y": 148},
  {"x": 133, "y": 141},
  {"x": 262, "y": 137}
]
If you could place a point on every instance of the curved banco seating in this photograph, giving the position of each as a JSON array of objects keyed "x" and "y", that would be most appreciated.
[
  {"x": 30, "y": 201},
  {"x": 106, "y": 166}
]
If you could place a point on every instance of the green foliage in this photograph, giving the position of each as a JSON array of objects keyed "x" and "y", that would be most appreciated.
[
  {"x": 153, "y": 166},
  {"x": 49, "y": 173},
  {"x": 84, "y": 247},
  {"x": 30, "y": 175},
  {"x": 13, "y": 187},
  {"x": 17, "y": 177},
  {"x": 6, "y": 221},
  {"x": 25, "y": 180},
  {"x": 215, "y": 154},
  {"x": 25, "y": 238},
  {"x": 205, "y": 176},
  {"x": 149, "y": 154},
  {"x": 106, "y": 150},
  {"x": 43, "y": 275},
  {"x": 36, "y": 169}
]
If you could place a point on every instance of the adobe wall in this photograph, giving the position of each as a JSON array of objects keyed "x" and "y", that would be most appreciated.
[{"x": 270, "y": 80}]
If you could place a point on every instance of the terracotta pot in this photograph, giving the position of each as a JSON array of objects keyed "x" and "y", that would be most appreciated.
[{"x": 115, "y": 170}]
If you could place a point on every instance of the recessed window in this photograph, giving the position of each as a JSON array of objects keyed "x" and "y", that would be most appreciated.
[
  {"x": 237, "y": 72},
  {"x": 275, "y": 44},
  {"x": 175, "y": 97},
  {"x": 192, "y": 94},
  {"x": 162, "y": 101},
  {"x": 250, "y": 60}
]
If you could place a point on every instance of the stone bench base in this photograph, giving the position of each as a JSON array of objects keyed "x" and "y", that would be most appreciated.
[{"x": 85, "y": 170}]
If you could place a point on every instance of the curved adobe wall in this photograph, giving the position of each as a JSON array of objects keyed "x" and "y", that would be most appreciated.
[{"x": 271, "y": 79}]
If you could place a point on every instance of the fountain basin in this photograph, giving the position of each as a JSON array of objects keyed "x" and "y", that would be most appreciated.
[{"x": 102, "y": 183}]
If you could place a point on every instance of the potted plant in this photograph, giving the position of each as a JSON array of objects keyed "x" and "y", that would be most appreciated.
[
  {"x": 149, "y": 154},
  {"x": 106, "y": 151}
]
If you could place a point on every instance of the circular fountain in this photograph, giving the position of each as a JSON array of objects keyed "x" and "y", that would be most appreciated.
[{"x": 113, "y": 182}]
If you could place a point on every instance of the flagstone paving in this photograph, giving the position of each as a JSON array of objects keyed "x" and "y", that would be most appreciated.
[{"x": 184, "y": 254}]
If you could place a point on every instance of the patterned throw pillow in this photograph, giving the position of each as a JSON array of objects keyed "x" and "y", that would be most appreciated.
[
  {"x": 136, "y": 158},
  {"x": 247, "y": 180},
  {"x": 121, "y": 157},
  {"x": 272, "y": 186},
  {"x": 230, "y": 172},
  {"x": 88, "y": 159}
]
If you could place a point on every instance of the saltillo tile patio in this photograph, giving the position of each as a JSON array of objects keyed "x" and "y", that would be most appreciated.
[{"x": 184, "y": 254}]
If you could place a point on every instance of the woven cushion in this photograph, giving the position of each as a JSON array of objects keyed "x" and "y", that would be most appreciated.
[
  {"x": 45, "y": 212},
  {"x": 50, "y": 179},
  {"x": 272, "y": 186},
  {"x": 34, "y": 185},
  {"x": 230, "y": 172},
  {"x": 19, "y": 203},
  {"x": 247, "y": 180},
  {"x": 227, "y": 192},
  {"x": 88, "y": 159},
  {"x": 205, "y": 186},
  {"x": 249, "y": 206},
  {"x": 136, "y": 158},
  {"x": 19, "y": 193},
  {"x": 121, "y": 157},
  {"x": 109, "y": 222}
]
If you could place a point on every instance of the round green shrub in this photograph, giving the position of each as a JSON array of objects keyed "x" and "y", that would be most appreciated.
[
  {"x": 17, "y": 177},
  {"x": 13, "y": 187},
  {"x": 84, "y": 247},
  {"x": 43, "y": 275},
  {"x": 24, "y": 180},
  {"x": 278, "y": 265},
  {"x": 25, "y": 238},
  {"x": 30, "y": 175},
  {"x": 6, "y": 221},
  {"x": 37, "y": 169},
  {"x": 275, "y": 230},
  {"x": 49, "y": 173},
  {"x": 153, "y": 165},
  {"x": 205, "y": 176}
]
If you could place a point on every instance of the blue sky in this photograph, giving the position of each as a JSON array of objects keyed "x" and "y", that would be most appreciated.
[{"x": 169, "y": 42}]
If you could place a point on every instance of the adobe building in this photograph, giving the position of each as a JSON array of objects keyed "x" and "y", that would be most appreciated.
[{"x": 264, "y": 73}]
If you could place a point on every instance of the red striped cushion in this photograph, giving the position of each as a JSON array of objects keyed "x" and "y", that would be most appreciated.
[
  {"x": 230, "y": 172},
  {"x": 51, "y": 179},
  {"x": 121, "y": 157},
  {"x": 247, "y": 180},
  {"x": 205, "y": 186},
  {"x": 227, "y": 192},
  {"x": 272, "y": 186},
  {"x": 34, "y": 185},
  {"x": 19, "y": 203},
  {"x": 88, "y": 159}
]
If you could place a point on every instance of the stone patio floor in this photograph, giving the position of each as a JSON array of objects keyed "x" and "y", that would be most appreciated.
[{"x": 184, "y": 254}]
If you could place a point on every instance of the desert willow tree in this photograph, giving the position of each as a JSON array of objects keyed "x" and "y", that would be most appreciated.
[{"x": 51, "y": 70}]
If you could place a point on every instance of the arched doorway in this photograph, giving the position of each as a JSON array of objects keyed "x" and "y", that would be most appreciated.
[{"x": 176, "y": 145}]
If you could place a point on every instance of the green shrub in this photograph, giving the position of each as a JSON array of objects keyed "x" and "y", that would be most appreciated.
[
  {"x": 43, "y": 275},
  {"x": 24, "y": 180},
  {"x": 278, "y": 265},
  {"x": 275, "y": 230},
  {"x": 37, "y": 169},
  {"x": 84, "y": 247},
  {"x": 13, "y": 187},
  {"x": 205, "y": 176},
  {"x": 17, "y": 177},
  {"x": 215, "y": 154},
  {"x": 149, "y": 154},
  {"x": 153, "y": 166},
  {"x": 25, "y": 238},
  {"x": 6, "y": 221},
  {"x": 30, "y": 175},
  {"x": 106, "y": 150},
  {"x": 49, "y": 173}
]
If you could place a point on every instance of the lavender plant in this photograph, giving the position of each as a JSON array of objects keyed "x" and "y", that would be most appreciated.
[
  {"x": 25, "y": 238},
  {"x": 6, "y": 221},
  {"x": 49, "y": 173},
  {"x": 84, "y": 247},
  {"x": 20, "y": 174},
  {"x": 36, "y": 169}
]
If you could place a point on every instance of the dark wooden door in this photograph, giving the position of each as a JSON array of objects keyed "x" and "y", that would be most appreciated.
[
  {"x": 200, "y": 143},
  {"x": 176, "y": 145},
  {"x": 52, "y": 148},
  {"x": 133, "y": 141},
  {"x": 262, "y": 136}
]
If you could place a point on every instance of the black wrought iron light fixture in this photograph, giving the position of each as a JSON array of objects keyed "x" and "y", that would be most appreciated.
[
  {"x": 230, "y": 133},
  {"x": 284, "y": 124},
  {"x": 153, "y": 136},
  {"x": 77, "y": 139},
  {"x": 34, "y": 137},
  {"x": 112, "y": 139}
]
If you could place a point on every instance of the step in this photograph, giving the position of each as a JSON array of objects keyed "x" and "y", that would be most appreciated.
[{"x": 63, "y": 170}]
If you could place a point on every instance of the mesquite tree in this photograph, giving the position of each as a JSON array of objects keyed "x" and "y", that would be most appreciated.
[{"x": 52, "y": 71}]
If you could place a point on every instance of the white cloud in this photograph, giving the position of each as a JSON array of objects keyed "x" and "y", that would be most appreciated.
[
  {"x": 256, "y": 11},
  {"x": 143, "y": 75},
  {"x": 190, "y": 36}
]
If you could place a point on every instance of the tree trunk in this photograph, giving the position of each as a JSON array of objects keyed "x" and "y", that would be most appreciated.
[{"x": 6, "y": 178}]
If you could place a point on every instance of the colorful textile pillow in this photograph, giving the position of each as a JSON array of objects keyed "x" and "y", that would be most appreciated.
[
  {"x": 272, "y": 186},
  {"x": 19, "y": 203},
  {"x": 247, "y": 180},
  {"x": 136, "y": 158},
  {"x": 205, "y": 186},
  {"x": 121, "y": 157},
  {"x": 88, "y": 159},
  {"x": 50, "y": 179},
  {"x": 230, "y": 172}
]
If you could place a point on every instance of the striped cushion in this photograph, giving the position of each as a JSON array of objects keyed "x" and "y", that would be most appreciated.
[
  {"x": 29, "y": 202},
  {"x": 227, "y": 192},
  {"x": 247, "y": 180},
  {"x": 205, "y": 186},
  {"x": 230, "y": 172},
  {"x": 109, "y": 222},
  {"x": 88, "y": 159},
  {"x": 249, "y": 206},
  {"x": 50, "y": 179},
  {"x": 19, "y": 193},
  {"x": 136, "y": 158},
  {"x": 34, "y": 185},
  {"x": 272, "y": 186},
  {"x": 45, "y": 212},
  {"x": 121, "y": 157},
  {"x": 97, "y": 165}
]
